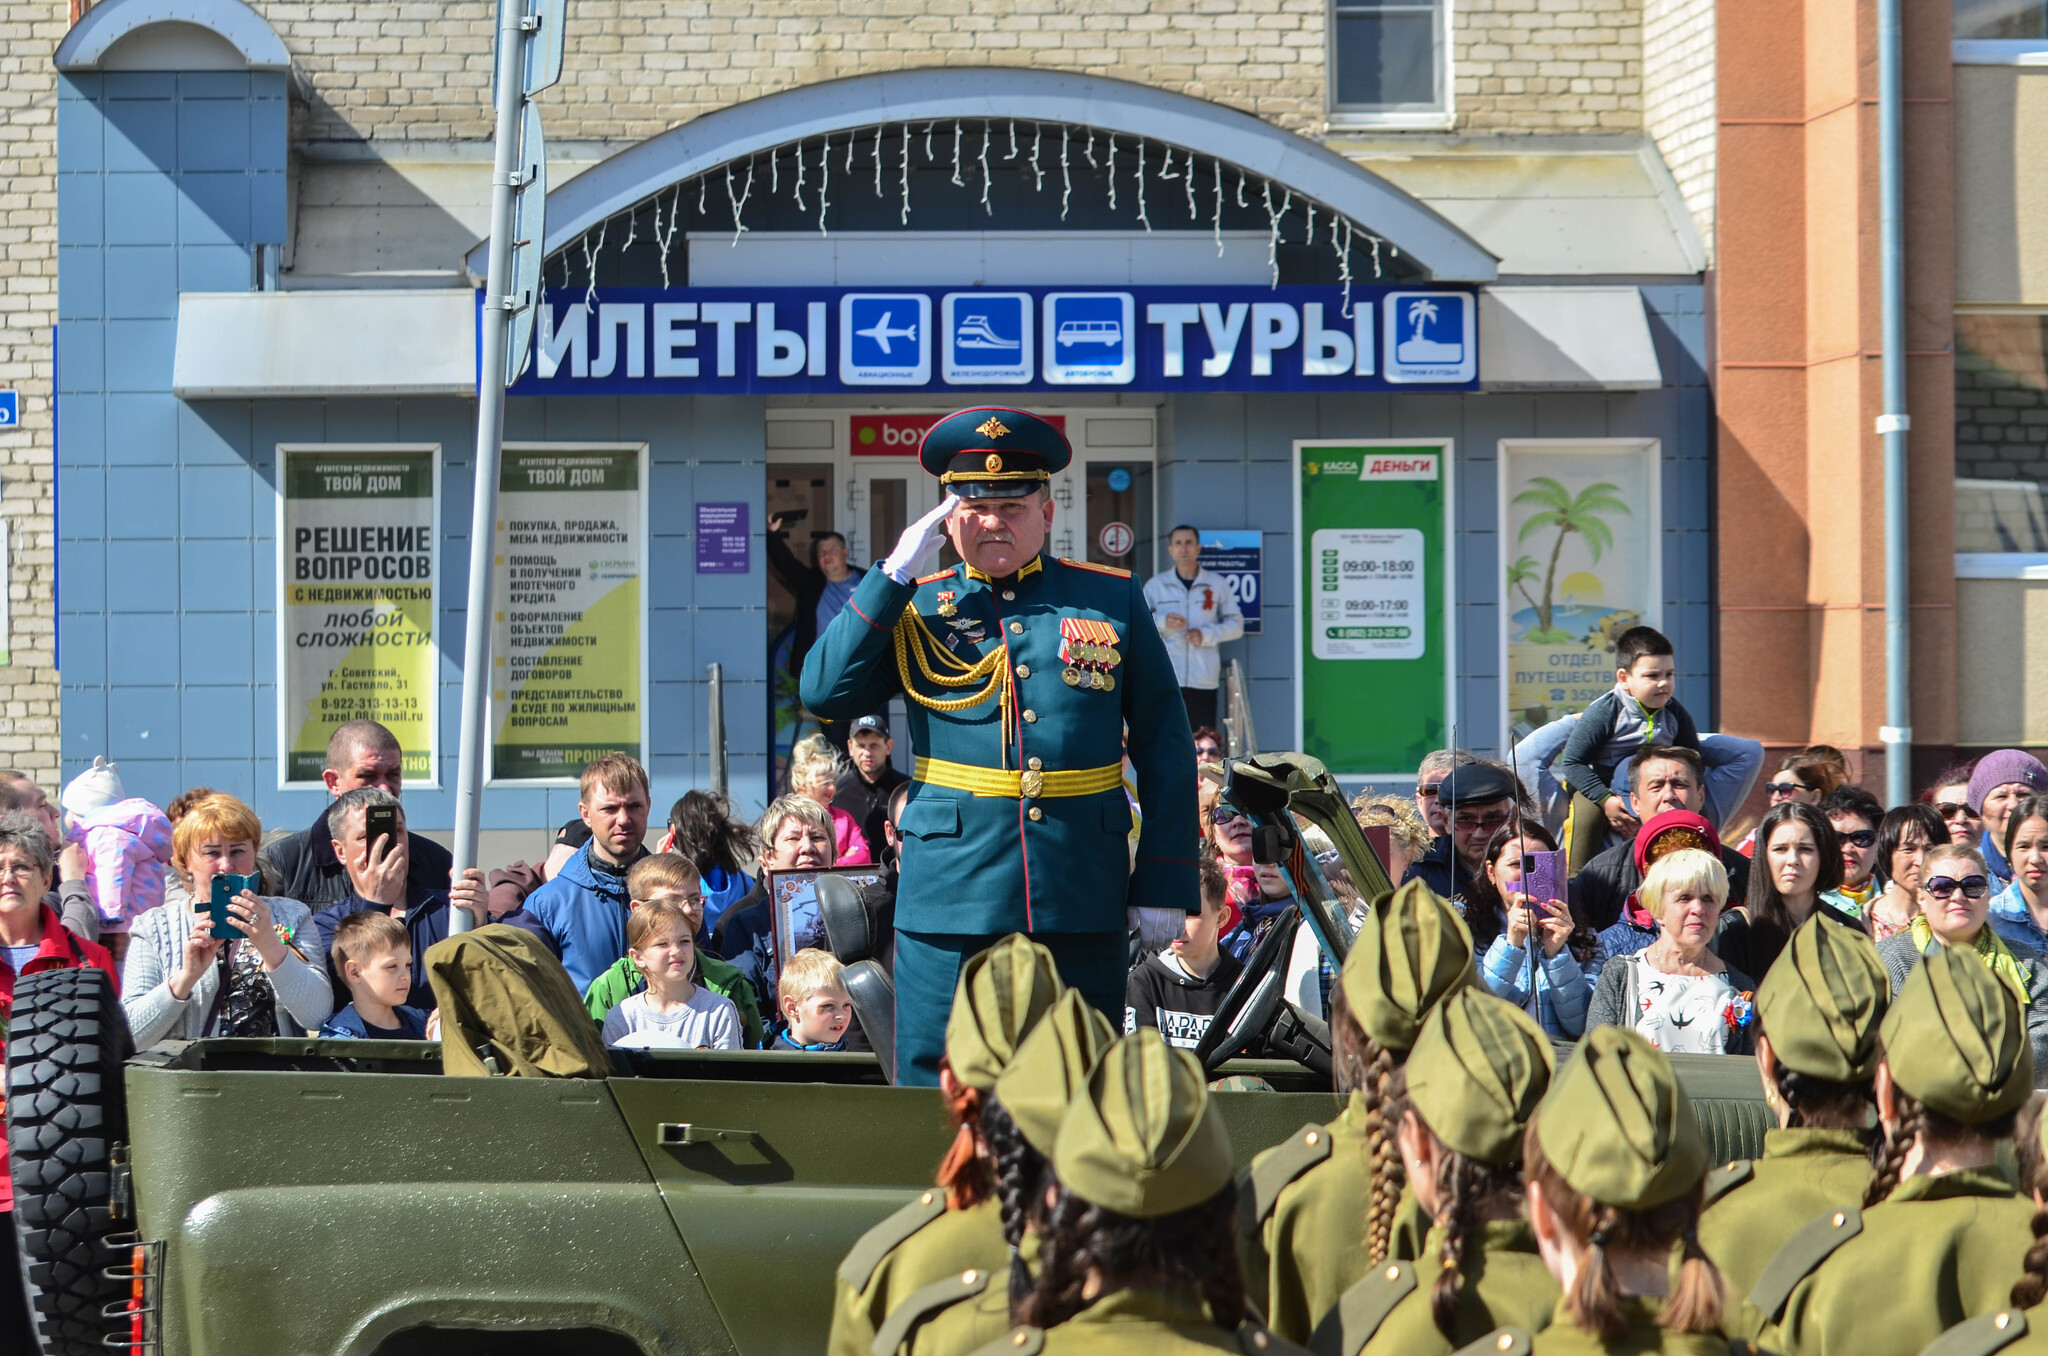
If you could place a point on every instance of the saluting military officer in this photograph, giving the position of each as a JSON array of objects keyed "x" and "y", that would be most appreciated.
[
  {"x": 950, "y": 1239},
  {"x": 1330, "y": 1203},
  {"x": 1136, "y": 1250},
  {"x": 1020, "y": 1124},
  {"x": 1941, "y": 1244},
  {"x": 1462, "y": 1101},
  {"x": 1022, "y": 674},
  {"x": 1817, "y": 1012}
]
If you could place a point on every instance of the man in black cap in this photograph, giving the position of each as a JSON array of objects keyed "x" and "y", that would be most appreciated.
[
  {"x": 869, "y": 778},
  {"x": 1478, "y": 800},
  {"x": 1022, "y": 673}
]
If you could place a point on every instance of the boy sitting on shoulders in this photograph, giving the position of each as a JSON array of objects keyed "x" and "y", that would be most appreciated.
[
  {"x": 815, "y": 1006},
  {"x": 672, "y": 1012},
  {"x": 373, "y": 955}
]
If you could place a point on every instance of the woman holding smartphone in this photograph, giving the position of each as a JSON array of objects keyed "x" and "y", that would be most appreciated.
[{"x": 181, "y": 980}]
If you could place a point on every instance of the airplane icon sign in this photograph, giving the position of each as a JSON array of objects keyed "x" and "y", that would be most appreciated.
[
  {"x": 882, "y": 334},
  {"x": 885, "y": 338}
]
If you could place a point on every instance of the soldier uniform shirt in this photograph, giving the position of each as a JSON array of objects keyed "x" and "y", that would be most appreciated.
[
  {"x": 1754, "y": 1206},
  {"x": 1388, "y": 1312},
  {"x": 1139, "y": 1322},
  {"x": 1642, "y": 1336},
  {"x": 920, "y": 1245}
]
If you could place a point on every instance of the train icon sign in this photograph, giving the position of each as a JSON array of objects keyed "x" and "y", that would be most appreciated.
[
  {"x": 988, "y": 338},
  {"x": 1089, "y": 339},
  {"x": 1116, "y": 539}
]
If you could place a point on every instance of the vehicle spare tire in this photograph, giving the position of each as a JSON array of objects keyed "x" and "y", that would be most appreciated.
[{"x": 66, "y": 1109}]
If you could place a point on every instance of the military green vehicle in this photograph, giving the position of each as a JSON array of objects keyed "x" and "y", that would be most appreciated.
[{"x": 344, "y": 1198}]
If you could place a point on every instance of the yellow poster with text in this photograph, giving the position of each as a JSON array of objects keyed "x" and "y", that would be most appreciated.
[
  {"x": 567, "y": 639},
  {"x": 357, "y": 549}
]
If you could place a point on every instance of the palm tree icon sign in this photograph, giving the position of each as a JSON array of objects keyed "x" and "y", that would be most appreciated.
[{"x": 1418, "y": 347}]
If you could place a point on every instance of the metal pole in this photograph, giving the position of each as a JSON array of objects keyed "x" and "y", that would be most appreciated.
[
  {"x": 490, "y": 434},
  {"x": 717, "y": 727},
  {"x": 1892, "y": 425}
]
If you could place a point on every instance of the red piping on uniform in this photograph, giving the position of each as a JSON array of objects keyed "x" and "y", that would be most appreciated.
[
  {"x": 865, "y": 617},
  {"x": 1023, "y": 853}
]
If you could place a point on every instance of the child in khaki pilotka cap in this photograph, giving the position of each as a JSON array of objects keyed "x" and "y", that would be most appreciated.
[{"x": 814, "y": 1003}]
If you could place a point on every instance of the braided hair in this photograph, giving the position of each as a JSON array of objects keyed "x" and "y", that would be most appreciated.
[
  {"x": 1821, "y": 1104},
  {"x": 1465, "y": 1189},
  {"x": 1191, "y": 1254},
  {"x": 1019, "y": 1185},
  {"x": 964, "y": 1171},
  {"x": 1365, "y": 1067},
  {"x": 1595, "y": 1299},
  {"x": 1916, "y": 1124},
  {"x": 2032, "y": 1286}
]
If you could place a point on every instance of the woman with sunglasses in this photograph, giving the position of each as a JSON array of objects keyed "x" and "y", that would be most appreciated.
[
  {"x": 1259, "y": 891},
  {"x": 1904, "y": 836},
  {"x": 1955, "y": 903},
  {"x": 2019, "y": 913}
]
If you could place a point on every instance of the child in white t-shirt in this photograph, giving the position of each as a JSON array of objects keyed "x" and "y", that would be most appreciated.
[{"x": 671, "y": 1013}]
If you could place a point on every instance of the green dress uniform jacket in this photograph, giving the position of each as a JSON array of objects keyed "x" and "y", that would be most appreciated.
[
  {"x": 1937, "y": 1251},
  {"x": 1641, "y": 1338},
  {"x": 957, "y": 1314},
  {"x": 923, "y": 1244},
  {"x": 1755, "y": 1205},
  {"x": 1388, "y": 1313},
  {"x": 1310, "y": 1196},
  {"x": 1139, "y": 1322},
  {"x": 1046, "y": 862}
]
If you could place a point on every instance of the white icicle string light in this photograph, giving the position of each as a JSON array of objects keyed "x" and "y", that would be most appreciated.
[
  {"x": 675, "y": 216},
  {"x": 1013, "y": 140},
  {"x": 774, "y": 171},
  {"x": 1143, "y": 220},
  {"x": 1311, "y": 224},
  {"x": 1240, "y": 190},
  {"x": 878, "y": 160},
  {"x": 1112, "y": 171},
  {"x": 799, "y": 190},
  {"x": 1344, "y": 262},
  {"x": 1194, "y": 212},
  {"x": 928, "y": 139},
  {"x": 1066, "y": 173},
  {"x": 1037, "y": 173},
  {"x": 1272, "y": 235},
  {"x": 590, "y": 265},
  {"x": 1376, "y": 258},
  {"x": 985, "y": 135},
  {"x": 850, "y": 139},
  {"x": 904, "y": 165},
  {"x": 701, "y": 179},
  {"x": 958, "y": 182},
  {"x": 739, "y": 204},
  {"x": 1091, "y": 150},
  {"x": 632, "y": 229},
  {"x": 825, "y": 180},
  {"x": 1217, "y": 167},
  {"x": 1166, "y": 166}
]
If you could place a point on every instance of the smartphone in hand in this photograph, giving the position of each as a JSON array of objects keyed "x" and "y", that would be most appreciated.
[
  {"x": 1543, "y": 876},
  {"x": 379, "y": 821},
  {"x": 227, "y": 887}
]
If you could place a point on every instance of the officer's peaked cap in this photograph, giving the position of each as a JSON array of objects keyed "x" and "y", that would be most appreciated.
[{"x": 994, "y": 452}]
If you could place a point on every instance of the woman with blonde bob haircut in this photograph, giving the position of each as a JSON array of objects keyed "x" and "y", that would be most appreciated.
[
  {"x": 179, "y": 980},
  {"x": 1676, "y": 993}
]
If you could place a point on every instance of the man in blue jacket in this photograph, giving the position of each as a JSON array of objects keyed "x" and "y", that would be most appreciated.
[
  {"x": 581, "y": 913},
  {"x": 1023, "y": 674}
]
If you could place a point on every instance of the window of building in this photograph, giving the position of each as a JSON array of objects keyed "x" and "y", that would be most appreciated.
[
  {"x": 2000, "y": 20},
  {"x": 2001, "y": 434},
  {"x": 1388, "y": 60}
]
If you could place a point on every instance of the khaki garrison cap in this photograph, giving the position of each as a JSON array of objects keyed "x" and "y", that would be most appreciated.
[
  {"x": 1144, "y": 1141},
  {"x": 1956, "y": 1040},
  {"x": 1477, "y": 1072},
  {"x": 1051, "y": 1068},
  {"x": 1617, "y": 1126},
  {"x": 1820, "y": 1005},
  {"x": 1003, "y": 991},
  {"x": 1412, "y": 950}
]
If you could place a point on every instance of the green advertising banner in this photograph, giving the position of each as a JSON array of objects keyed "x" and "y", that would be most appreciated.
[
  {"x": 1372, "y": 602},
  {"x": 568, "y": 634},
  {"x": 357, "y": 556}
]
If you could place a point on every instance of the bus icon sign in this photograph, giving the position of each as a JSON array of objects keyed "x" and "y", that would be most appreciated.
[
  {"x": 10, "y": 409},
  {"x": 1089, "y": 339}
]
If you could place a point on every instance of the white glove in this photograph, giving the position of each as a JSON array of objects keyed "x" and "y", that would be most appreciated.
[
  {"x": 1156, "y": 928},
  {"x": 919, "y": 543}
]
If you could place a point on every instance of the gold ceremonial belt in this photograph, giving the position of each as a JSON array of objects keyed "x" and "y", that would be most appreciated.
[{"x": 989, "y": 781}]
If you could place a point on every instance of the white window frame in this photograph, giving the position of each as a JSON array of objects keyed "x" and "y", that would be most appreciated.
[{"x": 1413, "y": 120}]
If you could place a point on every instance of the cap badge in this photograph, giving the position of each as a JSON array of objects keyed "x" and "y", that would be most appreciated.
[
  {"x": 994, "y": 462},
  {"x": 992, "y": 427}
]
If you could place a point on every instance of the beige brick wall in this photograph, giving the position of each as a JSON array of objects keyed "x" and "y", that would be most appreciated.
[
  {"x": 1678, "y": 99},
  {"x": 1548, "y": 66},
  {"x": 29, "y": 31}
]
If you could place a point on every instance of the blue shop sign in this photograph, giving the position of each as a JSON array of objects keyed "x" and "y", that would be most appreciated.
[
  {"x": 810, "y": 340},
  {"x": 1239, "y": 559}
]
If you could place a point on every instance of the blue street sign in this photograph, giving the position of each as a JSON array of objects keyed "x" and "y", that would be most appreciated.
[
  {"x": 10, "y": 409},
  {"x": 1429, "y": 337},
  {"x": 1089, "y": 338},
  {"x": 885, "y": 338},
  {"x": 988, "y": 337},
  {"x": 1239, "y": 558}
]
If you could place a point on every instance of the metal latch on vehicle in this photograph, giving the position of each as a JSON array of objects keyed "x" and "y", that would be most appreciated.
[{"x": 675, "y": 1134}]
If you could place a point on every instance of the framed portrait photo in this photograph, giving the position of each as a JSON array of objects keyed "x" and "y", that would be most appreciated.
[{"x": 794, "y": 903}]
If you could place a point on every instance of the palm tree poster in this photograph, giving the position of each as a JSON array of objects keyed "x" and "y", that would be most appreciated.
[{"x": 1580, "y": 566}]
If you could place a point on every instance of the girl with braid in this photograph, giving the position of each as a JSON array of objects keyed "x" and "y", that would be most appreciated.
[
  {"x": 1459, "y": 1106},
  {"x": 1411, "y": 952},
  {"x": 1613, "y": 1163},
  {"x": 1941, "y": 1234},
  {"x": 1816, "y": 1052}
]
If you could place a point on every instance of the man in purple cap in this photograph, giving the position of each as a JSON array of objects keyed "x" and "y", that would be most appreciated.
[{"x": 1998, "y": 784}]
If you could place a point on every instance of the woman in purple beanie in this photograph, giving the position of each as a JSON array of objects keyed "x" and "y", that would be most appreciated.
[{"x": 2000, "y": 782}]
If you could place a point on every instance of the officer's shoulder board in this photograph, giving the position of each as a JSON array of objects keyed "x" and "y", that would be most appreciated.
[
  {"x": 1255, "y": 1339},
  {"x": 1499, "y": 1342},
  {"x": 862, "y": 1259},
  {"x": 1981, "y": 1336},
  {"x": 935, "y": 578},
  {"x": 1725, "y": 1179},
  {"x": 1023, "y": 1340},
  {"x": 1348, "y": 1326},
  {"x": 1282, "y": 1163},
  {"x": 1099, "y": 569},
  {"x": 1795, "y": 1260},
  {"x": 922, "y": 1304}
]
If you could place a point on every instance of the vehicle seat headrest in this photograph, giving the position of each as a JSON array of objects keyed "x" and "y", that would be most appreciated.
[{"x": 849, "y": 930}]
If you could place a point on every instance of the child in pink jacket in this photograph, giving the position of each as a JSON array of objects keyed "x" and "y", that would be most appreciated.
[{"x": 127, "y": 844}]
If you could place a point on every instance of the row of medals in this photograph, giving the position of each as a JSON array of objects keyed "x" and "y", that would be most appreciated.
[{"x": 1088, "y": 666}]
